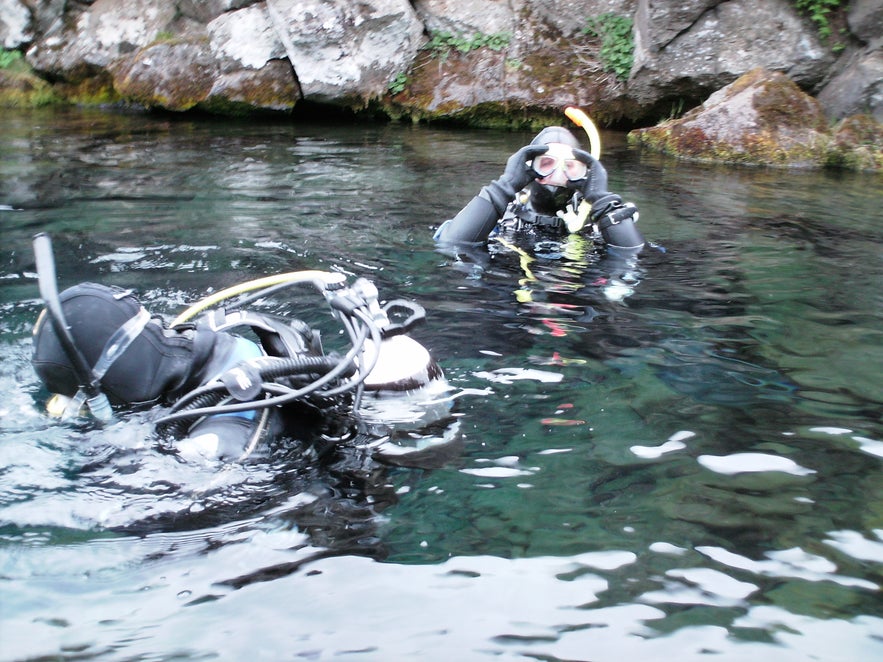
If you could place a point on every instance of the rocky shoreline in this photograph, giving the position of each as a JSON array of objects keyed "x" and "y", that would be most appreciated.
[{"x": 631, "y": 64}]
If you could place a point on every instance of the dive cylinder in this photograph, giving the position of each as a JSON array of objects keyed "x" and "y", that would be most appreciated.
[{"x": 403, "y": 364}]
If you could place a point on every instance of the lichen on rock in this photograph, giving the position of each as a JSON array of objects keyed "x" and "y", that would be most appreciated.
[{"x": 762, "y": 118}]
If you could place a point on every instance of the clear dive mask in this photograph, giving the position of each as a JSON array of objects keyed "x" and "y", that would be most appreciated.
[{"x": 561, "y": 159}]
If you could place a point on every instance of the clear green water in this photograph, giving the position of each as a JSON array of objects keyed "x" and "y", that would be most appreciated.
[{"x": 673, "y": 459}]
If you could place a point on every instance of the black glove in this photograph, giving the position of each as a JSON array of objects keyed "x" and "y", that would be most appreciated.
[
  {"x": 519, "y": 170},
  {"x": 518, "y": 174},
  {"x": 594, "y": 184}
]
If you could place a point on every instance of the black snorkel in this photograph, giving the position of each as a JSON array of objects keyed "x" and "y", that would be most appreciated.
[{"x": 89, "y": 384}]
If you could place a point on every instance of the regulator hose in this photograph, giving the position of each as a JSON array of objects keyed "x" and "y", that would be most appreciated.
[
  {"x": 322, "y": 279},
  {"x": 204, "y": 401}
]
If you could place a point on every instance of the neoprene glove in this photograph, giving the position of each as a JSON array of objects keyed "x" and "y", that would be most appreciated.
[
  {"x": 594, "y": 189},
  {"x": 518, "y": 174},
  {"x": 519, "y": 168},
  {"x": 615, "y": 219},
  {"x": 594, "y": 184}
]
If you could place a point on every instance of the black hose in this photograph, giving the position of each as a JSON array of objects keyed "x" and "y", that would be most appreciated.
[{"x": 269, "y": 368}]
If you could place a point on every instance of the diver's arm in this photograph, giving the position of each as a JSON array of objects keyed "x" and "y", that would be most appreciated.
[
  {"x": 477, "y": 219},
  {"x": 473, "y": 223},
  {"x": 615, "y": 219}
]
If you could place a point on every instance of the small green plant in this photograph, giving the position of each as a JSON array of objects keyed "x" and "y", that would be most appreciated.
[
  {"x": 441, "y": 44},
  {"x": 398, "y": 84},
  {"x": 8, "y": 58},
  {"x": 818, "y": 11},
  {"x": 677, "y": 109},
  {"x": 617, "y": 43}
]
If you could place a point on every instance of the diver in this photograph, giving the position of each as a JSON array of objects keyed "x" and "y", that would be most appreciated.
[
  {"x": 230, "y": 377},
  {"x": 549, "y": 187}
]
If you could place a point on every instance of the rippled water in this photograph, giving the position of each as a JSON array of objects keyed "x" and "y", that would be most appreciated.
[{"x": 675, "y": 458}]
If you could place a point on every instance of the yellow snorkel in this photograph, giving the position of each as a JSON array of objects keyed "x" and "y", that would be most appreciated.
[
  {"x": 575, "y": 221},
  {"x": 579, "y": 118}
]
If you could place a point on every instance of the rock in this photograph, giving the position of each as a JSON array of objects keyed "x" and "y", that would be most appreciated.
[
  {"x": 857, "y": 144},
  {"x": 568, "y": 17},
  {"x": 857, "y": 88},
  {"x": 99, "y": 35},
  {"x": 855, "y": 84},
  {"x": 703, "y": 45},
  {"x": 271, "y": 54},
  {"x": 466, "y": 17},
  {"x": 21, "y": 89},
  {"x": 545, "y": 63},
  {"x": 659, "y": 23},
  {"x": 171, "y": 75},
  {"x": 244, "y": 39},
  {"x": 865, "y": 17},
  {"x": 16, "y": 26},
  {"x": 346, "y": 52},
  {"x": 762, "y": 118},
  {"x": 272, "y": 87}
]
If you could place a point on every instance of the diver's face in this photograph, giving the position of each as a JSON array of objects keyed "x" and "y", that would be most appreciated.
[{"x": 558, "y": 165}]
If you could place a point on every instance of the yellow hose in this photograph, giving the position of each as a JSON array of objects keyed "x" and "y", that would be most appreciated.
[
  {"x": 579, "y": 118},
  {"x": 320, "y": 278}
]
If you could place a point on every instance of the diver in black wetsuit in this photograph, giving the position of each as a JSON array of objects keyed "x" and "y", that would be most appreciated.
[
  {"x": 97, "y": 348},
  {"x": 548, "y": 186}
]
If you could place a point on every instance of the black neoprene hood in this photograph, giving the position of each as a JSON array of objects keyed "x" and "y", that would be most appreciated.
[
  {"x": 556, "y": 134},
  {"x": 155, "y": 362}
]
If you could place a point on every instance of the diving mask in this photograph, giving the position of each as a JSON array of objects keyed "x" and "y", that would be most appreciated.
[{"x": 559, "y": 158}]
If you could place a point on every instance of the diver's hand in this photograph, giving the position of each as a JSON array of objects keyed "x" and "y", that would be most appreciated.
[
  {"x": 519, "y": 171},
  {"x": 594, "y": 185}
]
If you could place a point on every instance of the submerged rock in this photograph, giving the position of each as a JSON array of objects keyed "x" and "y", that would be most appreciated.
[{"x": 762, "y": 118}]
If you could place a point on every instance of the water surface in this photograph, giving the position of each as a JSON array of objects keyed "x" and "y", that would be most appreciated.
[{"x": 672, "y": 458}]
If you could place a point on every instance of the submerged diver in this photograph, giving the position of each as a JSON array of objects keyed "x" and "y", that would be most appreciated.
[
  {"x": 97, "y": 347},
  {"x": 551, "y": 185}
]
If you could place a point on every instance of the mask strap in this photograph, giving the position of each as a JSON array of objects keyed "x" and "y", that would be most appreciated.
[
  {"x": 119, "y": 342},
  {"x": 114, "y": 347}
]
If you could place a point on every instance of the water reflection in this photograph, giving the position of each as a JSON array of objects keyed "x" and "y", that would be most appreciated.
[{"x": 685, "y": 463}]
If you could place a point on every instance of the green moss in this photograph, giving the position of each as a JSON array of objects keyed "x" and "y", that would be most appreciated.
[
  {"x": 760, "y": 148},
  {"x": 11, "y": 59},
  {"x": 857, "y": 144},
  {"x": 20, "y": 87},
  {"x": 790, "y": 131},
  {"x": 19, "y": 90},
  {"x": 783, "y": 104}
]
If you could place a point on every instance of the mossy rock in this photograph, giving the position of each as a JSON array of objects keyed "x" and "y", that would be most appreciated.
[
  {"x": 857, "y": 144},
  {"x": 762, "y": 118},
  {"x": 20, "y": 87}
]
